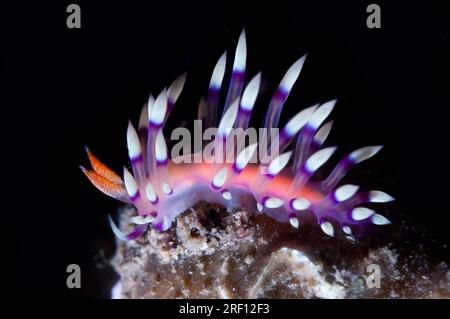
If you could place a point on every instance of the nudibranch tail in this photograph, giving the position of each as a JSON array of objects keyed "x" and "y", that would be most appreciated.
[{"x": 263, "y": 176}]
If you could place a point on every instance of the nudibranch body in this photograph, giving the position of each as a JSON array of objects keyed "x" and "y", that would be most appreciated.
[{"x": 278, "y": 184}]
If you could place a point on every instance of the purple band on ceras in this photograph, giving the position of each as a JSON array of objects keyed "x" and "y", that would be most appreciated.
[
  {"x": 135, "y": 163},
  {"x": 155, "y": 126},
  {"x": 136, "y": 160},
  {"x": 213, "y": 94},
  {"x": 160, "y": 163},
  {"x": 237, "y": 81},
  {"x": 237, "y": 75},
  {"x": 291, "y": 214},
  {"x": 137, "y": 232},
  {"x": 280, "y": 94}
]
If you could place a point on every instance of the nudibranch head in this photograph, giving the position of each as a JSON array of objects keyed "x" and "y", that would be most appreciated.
[{"x": 261, "y": 177}]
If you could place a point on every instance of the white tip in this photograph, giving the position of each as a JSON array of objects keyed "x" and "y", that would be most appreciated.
[
  {"x": 140, "y": 220},
  {"x": 299, "y": 120},
  {"x": 226, "y": 195},
  {"x": 379, "y": 220},
  {"x": 143, "y": 118},
  {"x": 323, "y": 133},
  {"x": 300, "y": 204},
  {"x": 273, "y": 202},
  {"x": 159, "y": 109},
  {"x": 218, "y": 73},
  {"x": 134, "y": 147},
  {"x": 294, "y": 222},
  {"x": 380, "y": 197},
  {"x": 345, "y": 192},
  {"x": 245, "y": 156},
  {"x": 364, "y": 153},
  {"x": 228, "y": 119},
  {"x": 361, "y": 213},
  {"x": 250, "y": 93},
  {"x": 150, "y": 104},
  {"x": 166, "y": 188},
  {"x": 150, "y": 193},
  {"x": 278, "y": 163},
  {"x": 130, "y": 183},
  {"x": 176, "y": 87},
  {"x": 292, "y": 74},
  {"x": 347, "y": 230},
  {"x": 241, "y": 54},
  {"x": 259, "y": 207},
  {"x": 319, "y": 158},
  {"x": 321, "y": 113},
  {"x": 327, "y": 228},
  {"x": 220, "y": 178},
  {"x": 160, "y": 147},
  {"x": 117, "y": 232}
]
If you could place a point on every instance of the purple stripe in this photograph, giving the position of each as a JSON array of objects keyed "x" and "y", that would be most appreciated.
[
  {"x": 284, "y": 137},
  {"x": 308, "y": 130},
  {"x": 314, "y": 146},
  {"x": 280, "y": 94},
  {"x": 137, "y": 232},
  {"x": 214, "y": 186},
  {"x": 136, "y": 160},
  {"x": 170, "y": 105},
  {"x": 334, "y": 198},
  {"x": 211, "y": 106},
  {"x": 270, "y": 175},
  {"x": 238, "y": 75},
  {"x": 135, "y": 197},
  {"x": 235, "y": 168},
  {"x": 244, "y": 112},
  {"x": 159, "y": 226},
  {"x": 305, "y": 171},
  {"x": 213, "y": 93},
  {"x": 161, "y": 163},
  {"x": 348, "y": 212},
  {"x": 156, "y": 126},
  {"x": 291, "y": 203},
  {"x": 263, "y": 201}
]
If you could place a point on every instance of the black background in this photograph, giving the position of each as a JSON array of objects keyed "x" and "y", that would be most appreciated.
[{"x": 69, "y": 87}]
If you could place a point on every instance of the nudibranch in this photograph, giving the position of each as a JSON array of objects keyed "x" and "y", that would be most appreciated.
[{"x": 161, "y": 187}]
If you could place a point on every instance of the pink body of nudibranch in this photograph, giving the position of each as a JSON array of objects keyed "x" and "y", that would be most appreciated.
[{"x": 162, "y": 188}]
